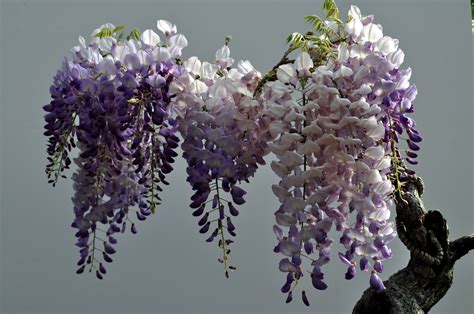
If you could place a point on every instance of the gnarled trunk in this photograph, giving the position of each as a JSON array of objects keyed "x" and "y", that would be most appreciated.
[{"x": 429, "y": 273}]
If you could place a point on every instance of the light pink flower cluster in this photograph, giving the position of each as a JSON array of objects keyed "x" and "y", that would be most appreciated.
[{"x": 330, "y": 125}]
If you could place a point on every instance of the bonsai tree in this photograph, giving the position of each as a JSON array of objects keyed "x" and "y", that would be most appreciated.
[{"x": 334, "y": 113}]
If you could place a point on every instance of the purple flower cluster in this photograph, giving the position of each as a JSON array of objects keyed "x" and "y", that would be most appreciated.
[
  {"x": 114, "y": 97},
  {"x": 219, "y": 129}
]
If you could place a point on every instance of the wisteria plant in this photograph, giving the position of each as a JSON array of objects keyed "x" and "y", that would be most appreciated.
[{"x": 335, "y": 118}]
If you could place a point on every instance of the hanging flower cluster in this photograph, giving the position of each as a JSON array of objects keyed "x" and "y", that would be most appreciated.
[
  {"x": 218, "y": 122},
  {"x": 333, "y": 126},
  {"x": 333, "y": 118},
  {"x": 113, "y": 101}
]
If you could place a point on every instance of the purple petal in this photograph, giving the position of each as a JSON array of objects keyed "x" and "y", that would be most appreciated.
[
  {"x": 278, "y": 232},
  {"x": 364, "y": 264},
  {"x": 81, "y": 269},
  {"x": 99, "y": 275},
  {"x": 351, "y": 271},
  {"x": 413, "y": 146},
  {"x": 102, "y": 269},
  {"x": 286, "y": 287},
  {"x": 318, "y": 284},
  {"x": 286, "y": 266},
  {"x": 107, "y": 258},
  {"x": 289, "y": 248},
  {"x": 108, "y": 248},
  {"x": 304, "y": 298},
  {"x": 233, "y": 211},
  {"x": 205, "y": 228},
  {"x": 376, "y": 282},
  {"x": 198, "y": 212},
  {"x": 343, "y": 258},
  {"x": 415, "y": 137},
  {"x": 378, "y": 266}
]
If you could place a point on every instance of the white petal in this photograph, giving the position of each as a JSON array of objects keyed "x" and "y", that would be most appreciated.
[
  {"x": 360, "y": 104},
  {"x": 179, "y": 41},
  {"x": 381, "y": 214},
  {"x": 208, "y": 70},
  {"x": 106, "y": 43},
  {"x": 244, "y": 66},
  {"x": 285, "y": 220},
  {"x": 312, "y": 129},
  {"x": 291, "y": 181},
  {"x": 303, "y": 62},
  {"x": 368, "y": 206},
  {"x": 396, "y": 58},
  {"x": 134, "y": 45},
  {"x": 311, "y": 173},
  {"x": 144, "y": 57},
  {"x": 166, "y": 27},
  {"x": 280, "y": 192},
  {"x": 294, "y": 204},
  {"x": 384, "y": 163},
  {"x": 285, "y": 73},
  {"x": 383, "y": 188},
  {"x": 309, "y": 148},
  {"x": 218, "y": 91},
  {"x": 354, "y": 11},
  {"x": 343, "y": 71},
  {"x": 198, "y": 87},
  {"x": 361, "y": 74},
  {"x": 291, "y": 159},
  {"x": 107, "y": 66},
  {"x": 361, "y": 167},
  {"x": 343, "y": 53},
  {"x": 404, "y": 79},
  {"x": 119, "y": 52},
  {"x": 375, "y": 153},
  {"x": 193, "y": 64},
  {"x": 132, "y": 62},
  {"x": 223, "y": 53},
  {"x": 354, "y": 27},
  {"x": 82, "y": 42},
  {"x": 374, "y": 177},
  {"x": 371, "y": 32},
  {"x": 387, "y": 45},
  {"x": 363, "y": 90},
  {"x": 279, "y": 169},
  {"x": 160, "y": 54},
  {"x": 275, "y": 129},
  {"x": 149, "y": 37},
  {"x": 175, "y": 51}
]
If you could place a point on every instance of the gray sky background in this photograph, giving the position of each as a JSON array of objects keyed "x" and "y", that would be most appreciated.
[{"x": 167, "y": 267}]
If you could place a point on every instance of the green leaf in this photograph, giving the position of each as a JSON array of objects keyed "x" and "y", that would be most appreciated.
[
  {"x": 331, "y": 8},
  {"x": 120, "y": 37},
  {"x": 315, "y": 20},
  {"x": 105, "y": 32},
  {"x": 296, "y": 40},
  {"x": 134, "y": 34},
  {"x": 118, "y": 28}
]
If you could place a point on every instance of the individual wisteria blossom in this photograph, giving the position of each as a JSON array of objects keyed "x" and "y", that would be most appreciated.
[
  {"x": 112, "y": 100},
  {"x": 333, "y": 123},
  {"x": 218, "y": 124}
]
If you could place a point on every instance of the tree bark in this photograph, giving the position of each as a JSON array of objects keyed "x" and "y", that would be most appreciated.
[{"x": 429, "y": 273}]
